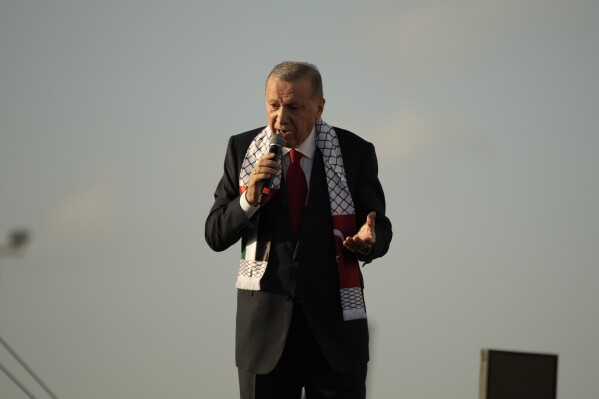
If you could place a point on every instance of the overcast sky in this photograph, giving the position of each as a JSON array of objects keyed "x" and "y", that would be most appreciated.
[{"x": 114, "y": 118}]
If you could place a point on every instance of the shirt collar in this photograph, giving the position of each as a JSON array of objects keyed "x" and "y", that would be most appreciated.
[{"x": 308, "y": 147}]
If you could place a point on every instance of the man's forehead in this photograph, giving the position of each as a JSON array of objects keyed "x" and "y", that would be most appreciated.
[
  {"x": 284, "y": 96},
  {"x": 284, "y": 87}
]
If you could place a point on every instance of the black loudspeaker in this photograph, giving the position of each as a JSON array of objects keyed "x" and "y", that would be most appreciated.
[{"x": 517, "y": 375}]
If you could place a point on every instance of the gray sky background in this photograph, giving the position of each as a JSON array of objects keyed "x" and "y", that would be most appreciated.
[{"x": 114, "y": 117}]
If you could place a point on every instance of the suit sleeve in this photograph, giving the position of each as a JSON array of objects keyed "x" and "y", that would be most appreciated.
[
  {"x": 370, "y": 197},
  {"x": 226, "y": 222}
]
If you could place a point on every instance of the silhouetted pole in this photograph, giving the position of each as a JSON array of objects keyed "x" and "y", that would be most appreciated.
[
  {"x": 17, "y": 240},
  {"x": 27, "y": 368},
  {"x": 16, "y": 381}
]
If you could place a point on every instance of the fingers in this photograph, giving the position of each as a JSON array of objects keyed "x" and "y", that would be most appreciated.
[
  {"x": 356, "y": 244},
  {"x": 370, "y": 218},
  {"x": 266, "y": 167},
  {"x": 364, "y": 238}
]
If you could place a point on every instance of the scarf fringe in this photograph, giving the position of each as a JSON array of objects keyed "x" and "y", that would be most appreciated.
[
  {"x": 248, "y": 283},
  {"x": 354, "y": 314}
]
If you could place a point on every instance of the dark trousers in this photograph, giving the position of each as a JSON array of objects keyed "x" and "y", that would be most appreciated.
[{"x": 302, "y": 364}]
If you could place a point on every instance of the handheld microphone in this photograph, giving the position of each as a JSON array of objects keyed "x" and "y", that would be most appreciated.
[{"x": 276, "y": 142}]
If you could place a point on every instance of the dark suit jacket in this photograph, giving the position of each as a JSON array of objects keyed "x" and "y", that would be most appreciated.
[{"x": 308, "y": 270}]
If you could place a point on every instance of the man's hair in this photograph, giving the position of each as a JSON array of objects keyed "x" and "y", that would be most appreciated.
[{"x": 290, "y": 71}]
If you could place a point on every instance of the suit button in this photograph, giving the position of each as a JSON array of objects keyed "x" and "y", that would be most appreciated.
[
  {"x": 290, "y": 299},
  {"x": 295, "y": 264}
]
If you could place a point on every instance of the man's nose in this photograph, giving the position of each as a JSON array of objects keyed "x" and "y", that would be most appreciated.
[{"x": 283, "y": 116}]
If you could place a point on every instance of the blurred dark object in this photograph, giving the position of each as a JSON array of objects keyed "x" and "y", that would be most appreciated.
[
  {"x": 18, "y": 239},
  {"x": 15, "y": 242}
]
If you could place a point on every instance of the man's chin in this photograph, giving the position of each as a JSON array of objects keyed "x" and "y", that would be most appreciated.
[{"x": 289, "y": 136}]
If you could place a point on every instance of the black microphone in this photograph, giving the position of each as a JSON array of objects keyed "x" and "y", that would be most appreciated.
[{"x": 276, "y": 142}]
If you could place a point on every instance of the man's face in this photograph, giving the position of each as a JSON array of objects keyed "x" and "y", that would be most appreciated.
[{"x": 292, "y": 109}]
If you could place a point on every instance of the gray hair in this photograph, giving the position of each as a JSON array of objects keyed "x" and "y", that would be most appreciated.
[{"x": 290, "y": 71}]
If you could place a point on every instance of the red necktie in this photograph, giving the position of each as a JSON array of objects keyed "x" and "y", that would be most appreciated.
[{"x": 297, "y": 189}]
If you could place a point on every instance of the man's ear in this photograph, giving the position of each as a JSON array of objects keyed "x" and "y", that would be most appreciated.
[{"x": 320, "y": 108}]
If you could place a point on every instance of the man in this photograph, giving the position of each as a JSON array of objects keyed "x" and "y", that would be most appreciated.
[{"x": 301, "y": 319}]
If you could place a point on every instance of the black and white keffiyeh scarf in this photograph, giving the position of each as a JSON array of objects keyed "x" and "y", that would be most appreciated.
[{"x": 254, "y": 254}]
